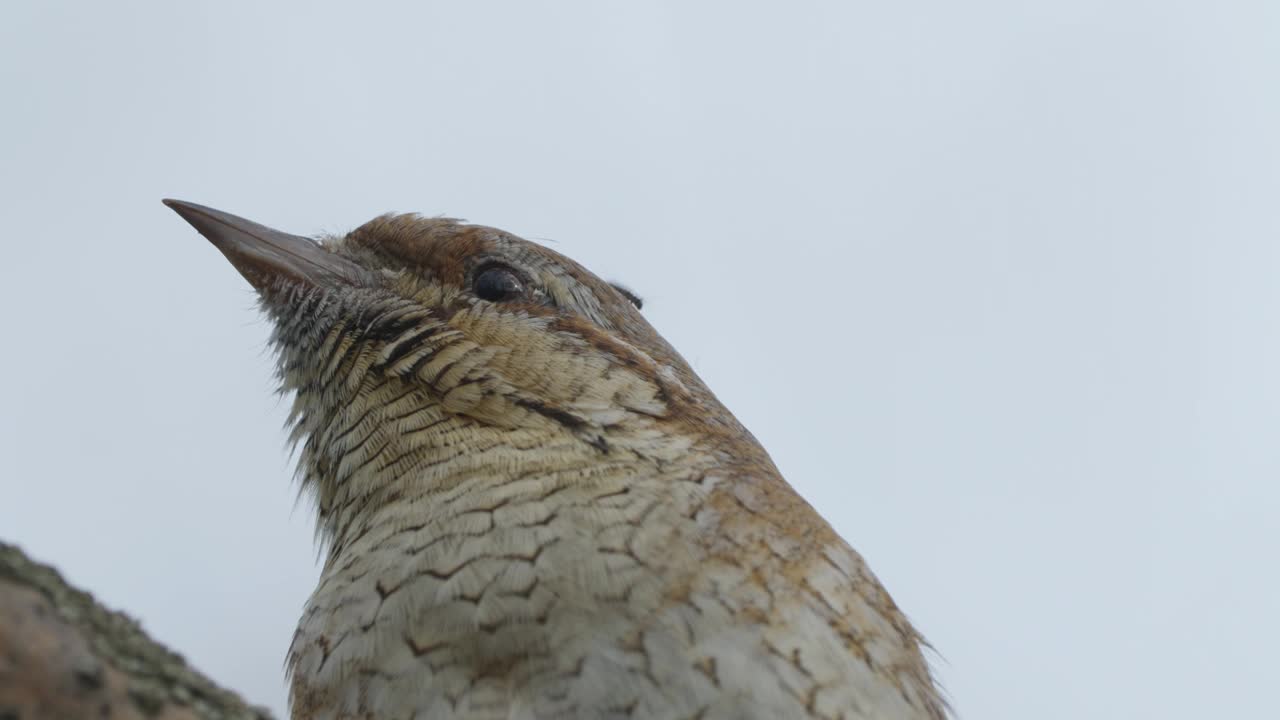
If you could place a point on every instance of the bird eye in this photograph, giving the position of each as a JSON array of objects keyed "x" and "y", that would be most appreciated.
[{"x": 497, "y": 283}]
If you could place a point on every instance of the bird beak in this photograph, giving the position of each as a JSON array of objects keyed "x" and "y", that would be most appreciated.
[{"x": 264, "y": 256}]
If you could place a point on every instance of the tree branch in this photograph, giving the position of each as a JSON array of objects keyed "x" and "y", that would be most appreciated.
[{"x": 62, "y": 655}]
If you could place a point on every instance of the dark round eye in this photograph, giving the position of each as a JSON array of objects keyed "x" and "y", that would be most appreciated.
[{"x": 497, "y": 283}]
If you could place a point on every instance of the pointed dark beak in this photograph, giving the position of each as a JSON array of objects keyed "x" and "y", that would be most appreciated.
[{"x": 264, "y": 256}]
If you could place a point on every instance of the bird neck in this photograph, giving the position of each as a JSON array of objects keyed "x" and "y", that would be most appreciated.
[{"x": 389, "y": 455}]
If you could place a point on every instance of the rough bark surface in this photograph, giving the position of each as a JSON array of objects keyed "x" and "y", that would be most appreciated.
[{"x": 62, "y": 655}]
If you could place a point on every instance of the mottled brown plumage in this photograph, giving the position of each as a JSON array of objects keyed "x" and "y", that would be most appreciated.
[{"x": 533, "y": 508}]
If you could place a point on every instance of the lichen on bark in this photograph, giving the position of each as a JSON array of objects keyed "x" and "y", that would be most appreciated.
[{"x": 64, "y": 655}]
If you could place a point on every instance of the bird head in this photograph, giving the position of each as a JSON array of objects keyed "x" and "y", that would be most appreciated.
[{"x": 411, "y": 337}]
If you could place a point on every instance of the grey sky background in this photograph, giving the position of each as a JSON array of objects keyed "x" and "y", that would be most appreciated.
[{"x": 996, "y": 283}]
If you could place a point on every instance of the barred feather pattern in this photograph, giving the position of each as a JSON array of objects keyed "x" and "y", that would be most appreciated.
[{"x": 537, "y": 510}]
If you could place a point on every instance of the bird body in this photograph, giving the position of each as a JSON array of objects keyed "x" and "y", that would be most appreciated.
[{"x": 533, "y": 508}]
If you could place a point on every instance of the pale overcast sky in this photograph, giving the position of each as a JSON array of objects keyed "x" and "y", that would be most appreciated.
[{"x": 996, "y": 283}]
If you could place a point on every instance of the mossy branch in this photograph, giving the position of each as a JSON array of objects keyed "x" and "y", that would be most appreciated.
[{"x": 63, "y": 655}]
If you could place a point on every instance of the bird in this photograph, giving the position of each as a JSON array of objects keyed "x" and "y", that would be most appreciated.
[{"x": 531, "y": 507}]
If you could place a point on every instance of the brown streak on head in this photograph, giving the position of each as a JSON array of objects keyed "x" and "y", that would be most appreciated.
[{"x": 439, "y": 245}]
